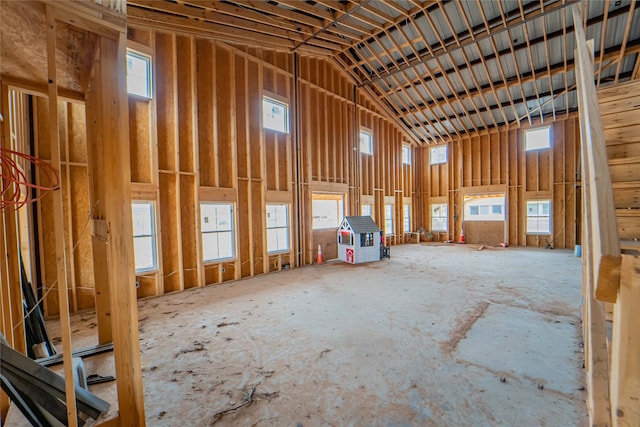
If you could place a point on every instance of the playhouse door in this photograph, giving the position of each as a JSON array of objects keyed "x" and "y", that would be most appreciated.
[{"x": 350, "y": 256}]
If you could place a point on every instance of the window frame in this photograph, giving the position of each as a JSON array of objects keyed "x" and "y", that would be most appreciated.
[
  {"x": 406, "y": 218},
  {"x": 370, "y": 209},
  {"x": 281, "y": 102},
  {"x": 153, "y": 235},
  {"x": 537, "y": 129},
  {"x": 149, "y": 61},
  {"x": 549, "y": 216},
  {"x": 286, "y": 227},
  {"x": 232, "y": 230},
  {"x": 368, "y": 132},
  {"x": 445, "y": 217},
  {"x": 340, "y": 200},
  {"x": 473, "y": 202},
  {"x": 436, "y": 161},
  {"x": 386, "y": 219},
  {"x": 406, "y": 148}
]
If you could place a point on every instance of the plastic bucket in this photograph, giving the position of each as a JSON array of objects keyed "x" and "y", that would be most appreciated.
[{"x": 578, "y": 251}]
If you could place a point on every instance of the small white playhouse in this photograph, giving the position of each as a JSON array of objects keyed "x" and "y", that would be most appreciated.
[{"x": 359, "y": 240}]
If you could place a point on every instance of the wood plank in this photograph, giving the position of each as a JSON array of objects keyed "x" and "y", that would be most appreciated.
[
  {"x": 109, "y": 92},
  {"x": 58, "y": 215},
  {"x": 625, "y": 363},
  {"x": 623, "y": 134},
  {"x": 595, "y": 343},
  {"x": 605, "y": 243}
]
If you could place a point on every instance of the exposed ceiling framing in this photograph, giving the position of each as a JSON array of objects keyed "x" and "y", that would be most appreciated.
[{"x": 443, "y": 68}]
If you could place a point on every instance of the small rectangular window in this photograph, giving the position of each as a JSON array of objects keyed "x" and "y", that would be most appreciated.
[
  {"x": 438, "y": 155},
  {"x": 406, "y": 154},
  {"x": 277, "y": 228},
  {"x": 345, "y": 238},
  {"x": 366, "y": 239},
  {"x": 439, "y": 217},
  {"x": 406, "y": 218},
  {"x": 366, "y": 142},
  {"x": 138, "y": 74},
  {"x": 367, "y": 210},
  {"x": 327, "y": 210},
  {"x": 537, "y": 139},
  {"x": 539, "y": 217},
  {"x": 275, "y": 115},
  {"x": 216, "y": 221},
  {"x": 488, "y": 207},
  {"x": 144, "y": 239},
  {"x": 388, "y": 219}
]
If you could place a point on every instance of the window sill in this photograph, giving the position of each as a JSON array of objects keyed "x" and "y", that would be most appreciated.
[
  {"x": 139, "y": 97},
  {"x": 210, "y": 262},
  {"x": 147, "y": 272},
  {"x": 280, "y": 252}
]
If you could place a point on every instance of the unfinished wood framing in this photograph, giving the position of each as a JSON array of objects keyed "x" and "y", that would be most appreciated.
[
  {"x": 619, "y": 111},
  {"x": 496, "y": 162},
  {"x": 417, "y": 78}
]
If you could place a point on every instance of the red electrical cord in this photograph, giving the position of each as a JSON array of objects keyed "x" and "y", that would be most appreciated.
[{"x": 16, "y": 188}]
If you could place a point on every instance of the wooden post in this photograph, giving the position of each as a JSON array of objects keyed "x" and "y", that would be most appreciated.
[
  {"x": 58, "y": 218},
  {"x": 6, "y": 322},
  {"x": 108, "y": 102}
]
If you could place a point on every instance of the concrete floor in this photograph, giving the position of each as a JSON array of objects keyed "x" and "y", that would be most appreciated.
[{"x": 440, "y": 335}]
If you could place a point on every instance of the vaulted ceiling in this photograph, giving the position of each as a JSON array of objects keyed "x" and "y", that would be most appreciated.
[{"x": 443, "y": 68}]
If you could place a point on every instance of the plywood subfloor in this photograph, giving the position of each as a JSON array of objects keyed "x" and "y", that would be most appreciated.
[{"x": 436, "y": 336}]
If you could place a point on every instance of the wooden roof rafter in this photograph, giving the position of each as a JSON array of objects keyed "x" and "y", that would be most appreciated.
[
  {"x": 507, "y": 22},
  {"x": 515, "y": 62},
  {"x": 494, "y": 49},
  {"x": 559, "y": 34},
  {"x": 625, "y": 37},
  {"x": 603, "y": 34},
  {"x": 531, "y": 63},
  {"x": 354, "y": 7},
  {"x": 415, "y": 90},
  {"x": 548, "y": 61},
  {"x": 610, "y": 54},
  {"x": 470, "y": 68}
]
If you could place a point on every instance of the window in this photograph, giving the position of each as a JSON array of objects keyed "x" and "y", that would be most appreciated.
[
  {"x": 216, "y": 221},
  {"x": 144, "y": 239},
  {"x": 538, "y": 217},
  {"x": 367, "y": 210},
  {"x": 345, "y": 238},
  {"x": 537, "y": 139},
  {"x": 489, "y": 207},
  {"x": 275, "y": 115},
  {"x": 438, "y": 155},
  {"x": 439, "y": 217},
  {"x": 138, "y": 74},
  {"x": 277, "y": 228},
  {"x": 406, "y": 154},
  {"x": 366, "y": 142},
  {"x": 406, "y": 218},
  {"x": 388, "y": 219},
  {"x": 366, "y": 239},
  {"x": 327, "y": 209}
]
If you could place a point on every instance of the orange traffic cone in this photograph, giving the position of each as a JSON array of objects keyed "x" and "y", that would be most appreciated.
[
  {"x": 461, "y": 236},
  {"x": 319, "y": 259}
]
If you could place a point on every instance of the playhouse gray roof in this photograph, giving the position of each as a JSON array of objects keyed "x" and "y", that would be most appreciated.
[{"x": 362, "y": 224}]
